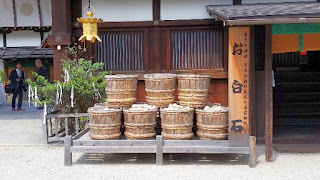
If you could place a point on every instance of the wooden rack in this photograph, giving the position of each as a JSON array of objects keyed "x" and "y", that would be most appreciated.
[{"x": 82, "y": 143}]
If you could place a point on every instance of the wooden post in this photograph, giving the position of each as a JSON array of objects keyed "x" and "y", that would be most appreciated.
[
  {"x": 252, "y": 156},
  {"x": 239, "y": 86},
  {"x": 159, "y": 155},
  {"x": 268, "y": 114},
  {"x": 252, "y": 74},
  {"x": 67, "y": 151},
  {"x": 44, "y": 124},
  {"x": 61, "y": 36}
]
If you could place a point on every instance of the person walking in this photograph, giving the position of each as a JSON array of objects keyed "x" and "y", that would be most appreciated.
[
  {"x": 41, "y": 70},
  {"x": 17, "y": 79}
]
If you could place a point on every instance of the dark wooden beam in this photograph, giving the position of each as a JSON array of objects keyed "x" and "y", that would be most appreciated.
[
  {"x": 61, "y": 27},
  {"x": 268, "y": 94},
  {"x": 142, "y": 24},
  {"x": 252, "y": 72},
  {"x": 156, "y": 10},
  {"x": 14, "y": 13},
  {"x": 4, "y": 40},
  {"x": 61, "y": 16},
  {"x": 236, "y": 2},
  {"x": 39, "y": 13}
]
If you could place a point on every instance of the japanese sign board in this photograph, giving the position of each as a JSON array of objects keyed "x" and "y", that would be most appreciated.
[{"x": 239, "y": 64}]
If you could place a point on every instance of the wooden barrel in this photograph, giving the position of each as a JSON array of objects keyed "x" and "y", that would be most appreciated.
[
  {"x": 193, "y": 90},
  {"x": 140, "y": 124},
  {"x": 212, "y": 125},
  {"x": 121, "y": 90},
  {"x": 160, "y": 88},
  {"x": 104, "y": 123},
  {"x": 177, "y": 124}
]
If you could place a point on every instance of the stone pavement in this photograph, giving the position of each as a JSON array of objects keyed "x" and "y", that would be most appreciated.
[{"x": 20, "y": 127}]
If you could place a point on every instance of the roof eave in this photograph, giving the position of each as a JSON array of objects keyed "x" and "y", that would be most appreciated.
[{"x": 265, "y": 21}]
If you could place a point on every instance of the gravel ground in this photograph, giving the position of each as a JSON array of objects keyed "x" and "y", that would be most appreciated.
[{"x": 46, "y": 162}]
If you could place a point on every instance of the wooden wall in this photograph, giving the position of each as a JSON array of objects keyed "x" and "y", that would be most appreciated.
[{"x": 186, "y": 46}]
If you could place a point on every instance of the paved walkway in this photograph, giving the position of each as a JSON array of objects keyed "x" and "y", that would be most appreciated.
[{"x": 20, "y": 127}]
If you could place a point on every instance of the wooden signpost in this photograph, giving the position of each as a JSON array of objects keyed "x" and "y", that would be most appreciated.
[{"x": 239, "y": 68}]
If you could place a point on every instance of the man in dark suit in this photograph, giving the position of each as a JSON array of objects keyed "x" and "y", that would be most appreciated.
[
  {"x": 41, "y": 70},
  {"x": 17, "y": 79}
]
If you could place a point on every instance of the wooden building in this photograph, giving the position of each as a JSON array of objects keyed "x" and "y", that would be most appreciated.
[
  {"x": 194, "y": 36},
  {"x": 24, "y": 25}
]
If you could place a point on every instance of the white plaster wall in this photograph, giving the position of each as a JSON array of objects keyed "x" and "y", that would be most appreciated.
[
  {"x": 23, "y": 38},
  {"x": 121, "y": 10},
  {"x": 188, "y": 9},
  {"x": 1, "y": 40},
  {"x": 6, "y": 14},
  {"x": 46, "y": 15},
  {"x": 273, "y": 1}
]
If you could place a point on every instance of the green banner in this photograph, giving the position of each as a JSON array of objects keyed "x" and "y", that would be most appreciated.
[{"x": 278, "y": 29}]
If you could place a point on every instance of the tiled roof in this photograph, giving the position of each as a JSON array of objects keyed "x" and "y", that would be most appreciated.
[
  {"x": 268, "y": 10},
  {"x": 26, "y": 53}
]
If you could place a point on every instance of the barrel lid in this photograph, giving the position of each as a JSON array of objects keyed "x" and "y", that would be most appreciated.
[
  {"x": 141, "y": 108},
  {"x": 102, "y": 109},
  {"x": 121, "y": 76},
  {"x": 160, "y": 76},
  {"x": 193, "y": 76}
]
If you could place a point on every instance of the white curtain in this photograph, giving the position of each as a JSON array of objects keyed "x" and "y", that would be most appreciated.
[
  {"x": 6, "y": 14},
  {"x": 27, "y": 13}
]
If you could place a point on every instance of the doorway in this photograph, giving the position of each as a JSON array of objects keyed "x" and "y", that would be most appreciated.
[{"x": 296, "y": 98}]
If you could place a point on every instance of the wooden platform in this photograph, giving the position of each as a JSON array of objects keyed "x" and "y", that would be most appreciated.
[
  {"x": 82, "y": 143},
  {"x": 297, "y": 148},
  {"x": 297, "y": 139}
]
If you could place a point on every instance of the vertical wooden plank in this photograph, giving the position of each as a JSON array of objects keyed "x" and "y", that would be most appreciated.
[
  {"x": 159, "y": 155},
  {"x": 67, "y": 151},
  {"x": 156, "y": 10},
  {"x": 156, "y": 47},
  {"x": 225, "y": 48},
  {"x": 66, "y": 128},
  {"x": 77, "y": 124},
  {"x": 239, "y": 83},
  {"x": 45, "y": 130},
  {"x": 268, "y": 94},
  {"x": 44, "y": 124},
  {"x": 237, "y": 2},
  {"x": 168, "y": 50},
  {"x": 146, "y": 50},
  {"x": 252, "y": 86},
  {"x": 56, "y": 126},
  {"x": 252, "y": 156}
]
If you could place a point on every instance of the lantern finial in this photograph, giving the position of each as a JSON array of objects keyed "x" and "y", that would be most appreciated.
[{"x": 90, "y": 26}]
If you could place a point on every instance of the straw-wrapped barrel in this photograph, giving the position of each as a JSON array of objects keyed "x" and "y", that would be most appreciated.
[
  {"x": 160, "y": 88},
  {"x": 193, "y": 90},
  {"x": 212, "y": 125},
  {"x": 140, "y": 124},
  {"x": 177, "y": 124},
  {"x": 121, "y": 90},
  {"x": 104, "y": 123}
]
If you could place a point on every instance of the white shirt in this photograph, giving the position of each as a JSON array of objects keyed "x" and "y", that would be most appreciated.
[{"x": 19, "y": 73}]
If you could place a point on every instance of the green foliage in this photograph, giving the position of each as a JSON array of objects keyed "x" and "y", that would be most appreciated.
[
  {"x": 87, "y": 79},
  {"x": 2, "y": 76}
]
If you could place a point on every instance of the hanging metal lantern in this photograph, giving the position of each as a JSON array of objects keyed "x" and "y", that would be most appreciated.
[{"x": 90, "y": 26}]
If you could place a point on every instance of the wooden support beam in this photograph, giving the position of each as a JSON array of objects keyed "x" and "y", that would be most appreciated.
[
  {"x": 236, "y": 2},
  {"x": 67, "y": 151},
  {"x": 61, "y": 27},
  {"x": 156, "y": 10},
  {"x": 4, "y": 40},
  {"x": 252, "y": 94},
  {"x": 252, "y": 155},
  {"x": 268, "y": 94},
  {"x": 159, "y": 154}
]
